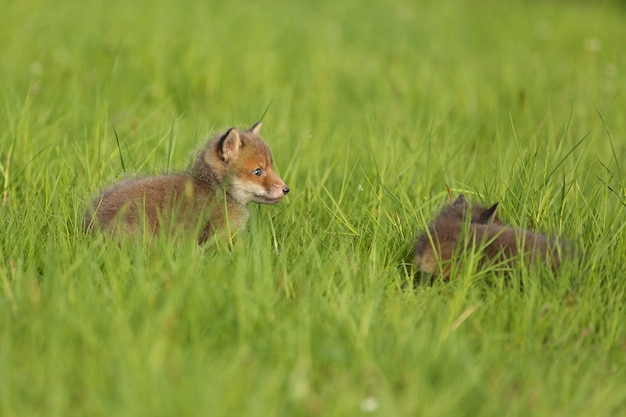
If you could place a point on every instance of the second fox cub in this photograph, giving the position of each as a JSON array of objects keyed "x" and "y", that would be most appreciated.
[
  {"x": 452, "y": 232},
  {"x": 234, "y": 169}
]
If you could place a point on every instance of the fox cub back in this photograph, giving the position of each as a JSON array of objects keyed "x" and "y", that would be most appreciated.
[
  {"x": 460, "y": 227},
  {"x": 234, "y": 169}
]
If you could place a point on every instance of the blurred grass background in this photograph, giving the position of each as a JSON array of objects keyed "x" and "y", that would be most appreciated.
[{"x": 374, "y": 108}]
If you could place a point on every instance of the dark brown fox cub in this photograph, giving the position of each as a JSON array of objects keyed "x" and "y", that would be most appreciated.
[
  {"x": 452, "y": 232},
  {"x": 234, "y": 169}
]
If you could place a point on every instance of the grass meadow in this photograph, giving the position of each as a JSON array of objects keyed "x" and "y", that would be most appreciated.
[{"x": 373, "y": 109}]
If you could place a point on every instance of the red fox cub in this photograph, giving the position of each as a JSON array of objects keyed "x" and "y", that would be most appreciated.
[
  {"x": 234, "y": 169},
  {"x": 452, "y": 232}
]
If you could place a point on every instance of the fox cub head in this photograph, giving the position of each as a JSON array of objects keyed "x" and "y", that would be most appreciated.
[
  {"x": 460, "y": 208},
  {"x": 437, "y": 245},
  {"x": 241, "y": 161}
]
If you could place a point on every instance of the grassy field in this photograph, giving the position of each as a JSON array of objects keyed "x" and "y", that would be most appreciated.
[{"x": 374, "y": 107}]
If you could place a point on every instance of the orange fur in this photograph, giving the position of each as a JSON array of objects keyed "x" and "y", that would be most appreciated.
[{"x": 233, "y": 170}]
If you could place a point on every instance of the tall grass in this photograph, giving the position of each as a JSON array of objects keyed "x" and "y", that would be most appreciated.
[{"x": 376, "y": 107}]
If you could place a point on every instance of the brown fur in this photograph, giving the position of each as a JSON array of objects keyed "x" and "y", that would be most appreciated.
[
  {"x": 233, "y": 169},
  {"x": 451, "y": 232}
]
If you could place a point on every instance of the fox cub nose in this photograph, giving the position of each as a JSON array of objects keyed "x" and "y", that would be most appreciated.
[{"x": 285, "y": 190}]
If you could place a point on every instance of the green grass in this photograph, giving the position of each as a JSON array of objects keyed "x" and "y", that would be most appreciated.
[{"x": 375, "y": 107}]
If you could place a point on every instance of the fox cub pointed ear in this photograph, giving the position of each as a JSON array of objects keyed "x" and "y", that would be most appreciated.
[
  {"x": 256, "y": 127},
  {"x": 459, "y": 200},
  {"x": 229, "y": 145},
  {"x": 490, "y": 214}
]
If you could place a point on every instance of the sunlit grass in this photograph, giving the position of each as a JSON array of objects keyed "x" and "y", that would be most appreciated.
[{"x": 376, "y": 108}]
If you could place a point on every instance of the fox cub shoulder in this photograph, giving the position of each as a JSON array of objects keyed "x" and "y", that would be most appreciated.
[
  {"x": 460, "y": 227},
  {"x": 233, "y": 169}
]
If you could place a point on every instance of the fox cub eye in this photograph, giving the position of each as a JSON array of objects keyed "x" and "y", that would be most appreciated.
[{"x": 258, "y": 172}]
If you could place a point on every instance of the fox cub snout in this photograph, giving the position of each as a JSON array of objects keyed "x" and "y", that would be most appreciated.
[
  {"x": 233, "y": 169},
  {"x": 461, "y": 227}
]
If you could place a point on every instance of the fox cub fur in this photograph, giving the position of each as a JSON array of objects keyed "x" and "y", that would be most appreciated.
[
  {"x": 234, "y": 169},
  {"x": 452, "y": 232}
]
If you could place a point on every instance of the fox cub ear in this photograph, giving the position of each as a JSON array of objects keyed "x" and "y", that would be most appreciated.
[
  {"x": 459, "y": 200},
  {"x": 229, "y": 145},
  {"x": 256, "y": 127},
  {"x": 489, "y": 215}
]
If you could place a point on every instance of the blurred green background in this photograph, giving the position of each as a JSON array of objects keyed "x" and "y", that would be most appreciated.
[{"x": 372, "y": 109}]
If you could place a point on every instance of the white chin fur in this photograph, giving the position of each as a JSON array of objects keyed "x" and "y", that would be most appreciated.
[{"x": 246, "y": 192}]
